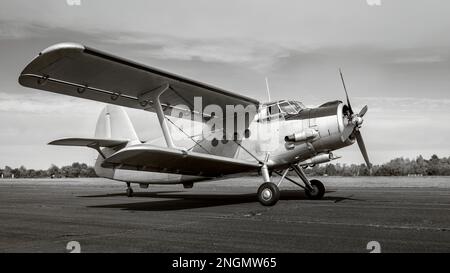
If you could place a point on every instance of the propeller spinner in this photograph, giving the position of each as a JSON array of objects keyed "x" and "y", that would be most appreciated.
[{"x": 354, "y": 124}]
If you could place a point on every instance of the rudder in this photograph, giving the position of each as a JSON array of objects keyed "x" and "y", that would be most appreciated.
[{"x": 114, "y": 123}]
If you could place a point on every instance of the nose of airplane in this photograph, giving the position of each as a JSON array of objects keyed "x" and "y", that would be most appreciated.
[
  {"x": 354, "y": 124},
  {"x": 357, "y": 120}
]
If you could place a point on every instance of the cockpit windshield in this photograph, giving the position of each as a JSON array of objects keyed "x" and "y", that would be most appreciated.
[
  {"x": 298, "y": 105},
  {"x": 282, "y": 107},
  {"x": 291, "y": 107},
  {"x": 287, "y": 108}
]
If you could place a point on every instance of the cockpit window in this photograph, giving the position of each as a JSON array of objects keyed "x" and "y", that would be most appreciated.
[
  {"x": 273, "y": 109},
  {"x": 287, "y": 108},
  {"x": 298, "y": 105},
  {"x": 281, "y": 107}
]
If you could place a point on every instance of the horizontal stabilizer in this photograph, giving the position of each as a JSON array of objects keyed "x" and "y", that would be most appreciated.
[
  {"x": 150, "y": 158},
  {"x": 89, "y": 142}
]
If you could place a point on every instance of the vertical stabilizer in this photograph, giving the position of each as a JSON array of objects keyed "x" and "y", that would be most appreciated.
[{"x": 114, "y": 123}]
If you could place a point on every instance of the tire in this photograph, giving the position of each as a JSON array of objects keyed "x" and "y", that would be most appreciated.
[
  {"x": 318, "y": 190},
  {"x": 268, "y": 194},
  {"x": 130, "y": 192}
]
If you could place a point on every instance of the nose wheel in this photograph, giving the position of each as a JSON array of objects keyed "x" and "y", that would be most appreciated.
[{"x": 268, "y": 194}]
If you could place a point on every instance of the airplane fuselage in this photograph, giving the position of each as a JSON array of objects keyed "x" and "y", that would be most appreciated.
[{"x": 267, "y": 135}]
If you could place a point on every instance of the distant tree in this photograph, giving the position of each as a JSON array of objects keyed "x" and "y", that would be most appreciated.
[
  {"x": 76, "y": 169},
  {"x": 22, "y": 172},
  {"x": 7, "y": 172},
  {"x": 54, "y": 171},
  {"x": 15, "y": 173},
  {"x": 30, "y": 173},
  {"x": 41, "y": 174},
  {"x": 433, "y": 165},
  {"x": 396, "y": 167},
  {"x": 90, "y": 172},
  {"x": 330, "y": 169},
  {"x": 421, "y": 166},
  {"x": 363, "y": 170}
]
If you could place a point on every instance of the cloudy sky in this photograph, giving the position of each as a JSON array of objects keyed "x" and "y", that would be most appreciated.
[{"x": 395, "y": 58}]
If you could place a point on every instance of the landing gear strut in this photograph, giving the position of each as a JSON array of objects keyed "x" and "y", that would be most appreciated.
[
  {"x": 314, "y": 189},
  {"x": 268, "y": 192},
  {"x": 129, "y": 190}
]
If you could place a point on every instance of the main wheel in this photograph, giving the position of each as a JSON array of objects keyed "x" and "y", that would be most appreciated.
[
  {"x": 268, "y": 194},
  {"x": 129, "y": 192},
  {"x": 317, "y": 191}
]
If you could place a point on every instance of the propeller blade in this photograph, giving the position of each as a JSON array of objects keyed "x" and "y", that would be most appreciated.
[
  {"x": 346, "y": 94},
  {"x": 348, "y": 130},
  {"x": 362, "y": 147},
  {"x": 363, "y": 111}
]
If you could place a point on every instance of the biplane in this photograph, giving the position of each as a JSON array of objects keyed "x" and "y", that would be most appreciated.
[{"x": 263, "y": 138}]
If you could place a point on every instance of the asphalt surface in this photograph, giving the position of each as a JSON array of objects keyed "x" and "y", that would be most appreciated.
[{"x": 44, "y": 215}]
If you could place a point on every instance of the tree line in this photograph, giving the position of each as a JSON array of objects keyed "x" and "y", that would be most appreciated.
[
  {"x": 73, "y": 171},
  {"x": 419, "y": 166}
]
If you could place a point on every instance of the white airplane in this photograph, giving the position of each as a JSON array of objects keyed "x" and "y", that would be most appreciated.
[{"x": 277, "y": 137}]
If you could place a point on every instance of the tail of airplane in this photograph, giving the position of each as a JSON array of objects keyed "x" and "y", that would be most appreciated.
[
  {"x": 113, "y": 131},
  {"x": 114, "y": 123}
]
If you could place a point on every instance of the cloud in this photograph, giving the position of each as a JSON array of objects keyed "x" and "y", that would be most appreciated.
[
  {"x": 419, "y": 59},
  {"x": 16, "y": 30},
  {"x": 405, "y": 105},
  {"x": 46, "y": 104},
  {"x": 252, "y": 53}
]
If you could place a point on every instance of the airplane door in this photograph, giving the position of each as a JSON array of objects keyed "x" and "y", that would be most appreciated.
[{"x": 312, "y": 120}]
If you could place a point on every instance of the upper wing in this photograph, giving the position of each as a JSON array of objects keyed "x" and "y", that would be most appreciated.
[
  {"x": 145, "y": 157},
  {"x": 76, "y": 70}
]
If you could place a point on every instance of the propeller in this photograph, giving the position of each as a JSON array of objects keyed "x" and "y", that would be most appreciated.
[
  {"x": 362, "y": 147},
  {"x": 354, "y": 124},
  {"x": 346, "y": 94}
]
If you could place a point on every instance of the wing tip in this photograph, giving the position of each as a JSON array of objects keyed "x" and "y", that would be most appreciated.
[
  {"x": 61, "y": 46},
  {"x": 65, "y": 46}
]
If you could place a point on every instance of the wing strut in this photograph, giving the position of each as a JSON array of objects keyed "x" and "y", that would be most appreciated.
[{"x": 154, "y": 96}]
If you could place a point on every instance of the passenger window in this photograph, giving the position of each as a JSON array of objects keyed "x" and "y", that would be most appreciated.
[{"x": 273, "y": 110}]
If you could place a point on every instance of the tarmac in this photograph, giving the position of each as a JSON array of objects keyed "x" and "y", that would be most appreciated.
[{"x": 222, "y": 216}]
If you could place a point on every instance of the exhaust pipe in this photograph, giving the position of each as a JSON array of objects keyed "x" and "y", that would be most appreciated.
[
  {"x": 318, "y": 159},
  {"x": 307, "y": 134}
]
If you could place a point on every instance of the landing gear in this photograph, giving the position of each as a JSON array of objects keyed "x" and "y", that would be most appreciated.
[
  {"x": 129, "y": 190},
  {"x": 314, "y": 189},
  {"x": 268, "y": 194},
  {"x": 317, "y": 190}
]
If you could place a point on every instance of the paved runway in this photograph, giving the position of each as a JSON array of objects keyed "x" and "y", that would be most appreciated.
[{"x": 43, "y": 215}]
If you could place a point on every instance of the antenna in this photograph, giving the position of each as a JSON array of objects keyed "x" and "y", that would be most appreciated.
[{"x": 268, "y": 90}]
